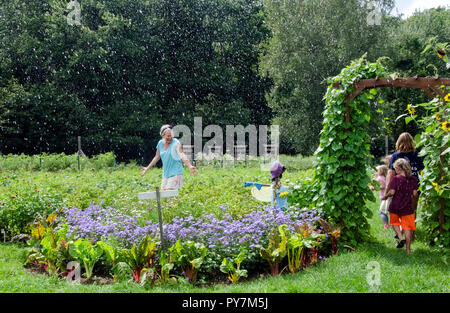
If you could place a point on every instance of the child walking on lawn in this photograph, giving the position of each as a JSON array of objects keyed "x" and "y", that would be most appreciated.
[
  {"x": 403, "y": 190},
  {"x": 381, "y": 174}
]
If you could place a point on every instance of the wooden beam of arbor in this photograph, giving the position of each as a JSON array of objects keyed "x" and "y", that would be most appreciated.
[{"x": 429, "y": 85}]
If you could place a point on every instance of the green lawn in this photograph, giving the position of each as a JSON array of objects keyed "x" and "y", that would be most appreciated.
[{"x": 425, "y": 270}]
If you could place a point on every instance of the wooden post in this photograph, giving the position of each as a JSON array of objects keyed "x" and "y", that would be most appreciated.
[
  {"x": 386, "y": 144},
  {"x": 158, "y": 199},
  {"x": 114, "y": 159},
  {"x": 80, "y": 152},
  {"x": 158, "y": 195}
]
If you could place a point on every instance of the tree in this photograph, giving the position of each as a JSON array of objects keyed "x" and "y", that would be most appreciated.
[
  {"x": 311, "y": 41},
  {"x": 130, "y": 66}
]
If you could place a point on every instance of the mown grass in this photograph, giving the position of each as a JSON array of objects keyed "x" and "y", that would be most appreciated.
[{"x": 426, "y": 270}]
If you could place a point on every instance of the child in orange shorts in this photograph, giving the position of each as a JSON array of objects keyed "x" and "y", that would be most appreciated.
[{"x": 403, "y": 189}]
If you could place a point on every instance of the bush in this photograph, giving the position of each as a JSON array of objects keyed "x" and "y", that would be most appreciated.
[
  {"x": 19, "y": 207},
  {"x": 55, "y": 162}
]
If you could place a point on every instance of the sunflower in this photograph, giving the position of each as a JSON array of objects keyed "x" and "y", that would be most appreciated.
[
  {"x": 435, "y": 186},
  {"x": 437, "y": 117},
  {"x": 440, "y": 53},
  {"x": 446, "y": 126},
  {"x": 447, "y": 97},
  {"x": 411, "y": 110}
]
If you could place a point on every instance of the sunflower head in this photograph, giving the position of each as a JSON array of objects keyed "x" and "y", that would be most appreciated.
[
  {"x": 436, "y": 186},
  {"x": 447, "y": 97},
  {"x": 446, "y": 126},
  {"x": 440, "y": 53},
  {"x": 411, "y": 110}
]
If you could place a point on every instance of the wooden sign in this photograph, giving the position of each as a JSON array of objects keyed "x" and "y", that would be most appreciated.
[{"x": 153, "y": 195}]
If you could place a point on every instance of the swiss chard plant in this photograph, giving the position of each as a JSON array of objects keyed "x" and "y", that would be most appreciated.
[
  {"x": 276, "y": 250},
  {"x": 49, "y": 245},
  {"x": 166, "y": 264},
  {"x": 86, "y": 253},
  {"x": 334, "y": 231},
  {"x": 189, "y": 256},
  {"x": 139, "y": 256},
  {"x": 299, "y": 245},
  {"x": 233, "y": 267},
  {"x": 113, "y": 256}
]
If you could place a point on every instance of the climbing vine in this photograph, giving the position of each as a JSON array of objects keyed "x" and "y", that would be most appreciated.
[{"x": 343, "y": 152}]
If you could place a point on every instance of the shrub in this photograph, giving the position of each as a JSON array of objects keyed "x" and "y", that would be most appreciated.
[{"x": 19, "y": 207}]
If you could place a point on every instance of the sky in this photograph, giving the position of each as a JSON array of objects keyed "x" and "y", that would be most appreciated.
[{"x": 407, "y": 7}]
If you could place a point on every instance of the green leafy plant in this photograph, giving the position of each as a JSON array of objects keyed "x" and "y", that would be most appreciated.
[
  {"x": 232, "y": 268},
  {"x": 344, "y": 149},
  {"x": 21, "y": 201},
  {"x": 276, "y": 250},
  {"x": 189, "y": 256},
  {"x": 434, "y": 122},
  {"x": 113, "y": 255},
  {"x": 139, "y": 256},
  {"x": 87, "y": 253},
  {"x": 50, "y": 248},
  {"x": 304, "y": 194},
  {"x": 166, "y": 266}
]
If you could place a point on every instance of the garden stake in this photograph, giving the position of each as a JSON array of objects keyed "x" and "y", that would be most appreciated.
[
  {"x": 158, "y": 199},
  {"x": 158, "y": 195}
]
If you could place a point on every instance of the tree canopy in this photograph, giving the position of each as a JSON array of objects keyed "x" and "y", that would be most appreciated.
[{"x": 133, "y": 65}]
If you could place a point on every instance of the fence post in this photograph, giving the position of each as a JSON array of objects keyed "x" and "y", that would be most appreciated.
[
  {"x": 158, "y": 199},
  {"x": 114, "y": 159},
  {"x": 386, "y": 145}
]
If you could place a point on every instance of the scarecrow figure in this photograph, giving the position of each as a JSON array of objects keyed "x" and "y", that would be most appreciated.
[{"x": 275, "y": 193}]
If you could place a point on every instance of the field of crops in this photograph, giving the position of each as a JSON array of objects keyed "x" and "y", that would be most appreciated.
[{"x": 100, "y": 204}]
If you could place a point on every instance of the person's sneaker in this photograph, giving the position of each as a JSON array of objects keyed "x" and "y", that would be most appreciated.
[{"x": 401, "y": 244}]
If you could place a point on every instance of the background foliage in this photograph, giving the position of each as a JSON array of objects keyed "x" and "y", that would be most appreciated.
[{"x": 133, "y": 65}]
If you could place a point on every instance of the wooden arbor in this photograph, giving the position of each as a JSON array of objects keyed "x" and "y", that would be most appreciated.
[{"x": 430, "y": 85}]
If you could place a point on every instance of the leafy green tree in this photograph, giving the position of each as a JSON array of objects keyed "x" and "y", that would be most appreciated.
[
  {"x": 129, "y": 67},
  {"x": 311, "y": 41},
  {"x": 405, "y": 57}
]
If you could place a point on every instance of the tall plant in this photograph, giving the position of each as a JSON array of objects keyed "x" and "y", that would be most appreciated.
[
  {"x": 435, "y": 148},
  {"x": 343, "y": 152}
]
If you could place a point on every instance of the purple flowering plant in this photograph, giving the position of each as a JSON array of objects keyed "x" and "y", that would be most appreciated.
[{"x": 222, "y": 237}]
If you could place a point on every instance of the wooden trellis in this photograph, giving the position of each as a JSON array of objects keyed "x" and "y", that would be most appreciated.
[{"x": 430, "y": 85}]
